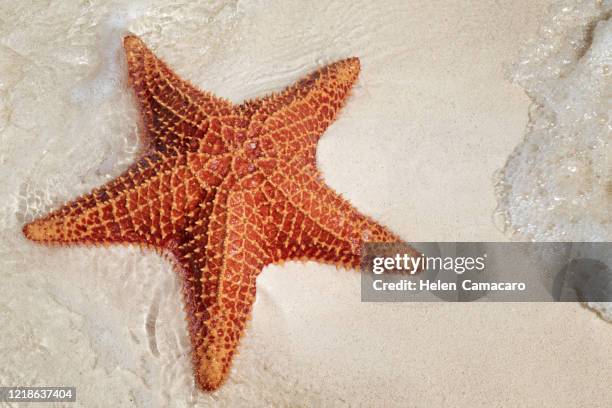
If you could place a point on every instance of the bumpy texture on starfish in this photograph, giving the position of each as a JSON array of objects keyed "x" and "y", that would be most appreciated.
[{"x": 225, "y": 190}]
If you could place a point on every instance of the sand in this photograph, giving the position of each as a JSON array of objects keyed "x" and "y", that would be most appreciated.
[{"x": 431, "y": 119}]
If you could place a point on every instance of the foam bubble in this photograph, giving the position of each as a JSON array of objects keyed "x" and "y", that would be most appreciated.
[{"x": 557, "y": 184}]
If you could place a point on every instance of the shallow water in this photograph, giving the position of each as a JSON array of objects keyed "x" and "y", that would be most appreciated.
[{"x": 557, "y": 185}]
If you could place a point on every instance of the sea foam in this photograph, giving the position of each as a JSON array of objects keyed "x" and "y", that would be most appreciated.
[{"x": 557, "y": 184}]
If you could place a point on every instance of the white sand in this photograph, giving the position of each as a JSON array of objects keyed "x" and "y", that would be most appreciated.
[{"x": 430, "y": 121}]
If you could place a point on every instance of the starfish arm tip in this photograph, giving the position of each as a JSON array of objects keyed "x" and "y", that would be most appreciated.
[
  {"x": 133, "y": 44},
  {"x": 130, "y": 39},
  {"x": 37, "y": 231},
  {"x": 27, "y": 231},
  {"x": 211, "y": 377}
]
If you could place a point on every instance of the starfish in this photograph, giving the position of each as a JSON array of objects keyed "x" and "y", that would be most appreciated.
[{"x": 223, "y": 190}]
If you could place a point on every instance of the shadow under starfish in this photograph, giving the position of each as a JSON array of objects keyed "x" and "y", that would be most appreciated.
[{"x": 224, "y": 190}]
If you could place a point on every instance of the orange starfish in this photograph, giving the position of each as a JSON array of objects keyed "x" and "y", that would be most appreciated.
[{"x": 225, "y": 190}]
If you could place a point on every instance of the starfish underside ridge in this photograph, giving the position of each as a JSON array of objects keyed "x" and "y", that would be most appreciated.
[{"x": 224, "y": 190}]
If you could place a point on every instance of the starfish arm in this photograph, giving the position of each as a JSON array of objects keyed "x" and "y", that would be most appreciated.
[
  {"x": 315, "y": 223},
  {"x": 291, "y": 123},
  {"x": 176, "y": 115},
  {"x": 144, "y": 205},
  {"x": 219, "y": 259}
]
